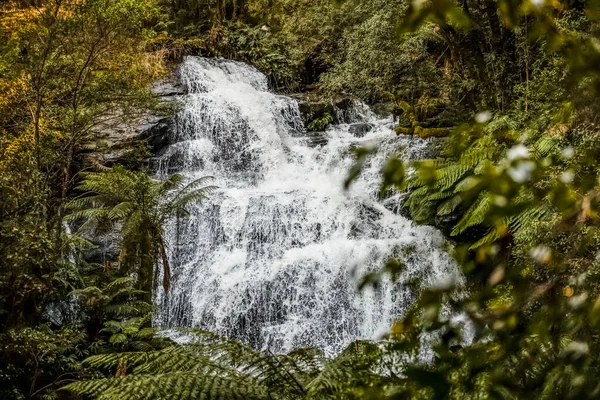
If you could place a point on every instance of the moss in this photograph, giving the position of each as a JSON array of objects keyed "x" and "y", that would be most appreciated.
[
  {"x": 431, "y": 132},
  {"x": 400, "y": 130}
]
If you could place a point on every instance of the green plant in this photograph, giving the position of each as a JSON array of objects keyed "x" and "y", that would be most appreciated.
[
  {"x": 142, "y": 205},
  {"x": 213, "y": 367}
]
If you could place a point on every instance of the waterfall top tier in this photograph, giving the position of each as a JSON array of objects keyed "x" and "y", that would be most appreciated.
[{"x": 274, "y": 257}]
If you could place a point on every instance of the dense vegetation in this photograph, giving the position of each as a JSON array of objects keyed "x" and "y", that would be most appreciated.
[{"x": 512, "y": 86}]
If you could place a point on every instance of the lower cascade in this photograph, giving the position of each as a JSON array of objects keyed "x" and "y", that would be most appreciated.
[{"x": 274, "y": 257}]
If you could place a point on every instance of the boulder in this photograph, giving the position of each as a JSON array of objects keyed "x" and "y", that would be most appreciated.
[
  {"x": 360, "y": 129},
  {"x": 121, "y": 138},
  {"x": 316, "y": 115},
  {"x": 384, "y": 110}
]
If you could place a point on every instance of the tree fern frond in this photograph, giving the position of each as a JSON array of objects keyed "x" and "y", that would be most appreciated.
[
  {"x": 195, "y": 185},
  {"x": 176, "y": 385},
  {"x": 447, "y": 177},
  {"x": 475, "y": 215},
  {"x": 490, "y": 237},
  {"x": 544, "y": 146},
  {"x": 466, "y": 184},
  {"x": 529, "y": 216},
  {"x": 449, "y": 205},
  {"x": 354, "y": 366},
  {"x": 439, "y": 195},
  {"x": 136, "y": 307},
  {"x": 173, "y": 183},
  {"x": 197, "y": 195},
  {"x": 121, "y": 210},
  {"x": 119, "y": 283}
]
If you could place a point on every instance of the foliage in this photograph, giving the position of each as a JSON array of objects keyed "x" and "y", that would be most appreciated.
[
  {"x": 38, "y": 360},
  {"x": 320, "y": 124},
  {"x": 213, "y": 367},
  {"x": 68, "y": 69},
  {"x": 142, "y": 206},
  {"x": 519, "y": 191},
  {"x": 516, "y": 187}
]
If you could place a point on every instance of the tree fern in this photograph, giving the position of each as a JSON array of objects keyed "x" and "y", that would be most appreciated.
[
  {"x": 475, "y": 215},
  {"x": 141, "y": 206},
  {"x": 212, "y": 367},
  {"x": 174, "y": 385}
]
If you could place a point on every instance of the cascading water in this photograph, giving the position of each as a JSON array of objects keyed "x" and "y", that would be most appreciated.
[{"x": 273, "y": 258}]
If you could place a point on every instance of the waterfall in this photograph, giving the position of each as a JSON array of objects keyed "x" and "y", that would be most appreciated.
[{"x": 273, "y": 258}]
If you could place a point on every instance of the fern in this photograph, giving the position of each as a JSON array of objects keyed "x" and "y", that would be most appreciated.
[
  {"x": 449, "y": 205},
  {"x": 212, "y": 367},
  {"x": 174, "y": 385},
  {"x": 141, "y": 206},
  {"x": 475, "y": 215}
]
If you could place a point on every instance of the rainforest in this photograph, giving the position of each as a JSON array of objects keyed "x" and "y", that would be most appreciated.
[{"x": 299, "y": 199}]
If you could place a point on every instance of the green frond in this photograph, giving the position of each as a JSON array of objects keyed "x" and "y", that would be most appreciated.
[
  {"x": 439, "y": 195},
  {"x": 475, "y": 215},
  {"x": 136, "y": 307},
  {"x": 93, "y": 214},
  {"x": 481, "y": 167},
  {"x": 175, "y": 385},
  {"x": 466, "y": 184},
  {"x": 353, "y": 367},
  {"x": 195, "y": 185},
  {"x": 449, "y": 205},
  {"x": 117, "y": 338},
  {"x": 88, "y": 291},
  {"x": 529, "y": 216},
  {"x": 197, "y": 195},
  {"x": 544, "y": 146},
  {"x": 87, "y": 201},
  {"x": 76, "y": 242},
  {"x": 173, "y": 183},
  {"x": 121, "y": 211},
  {"x": 120, "y": 283},
  {"x": 490, "y": 237},
  {"x": 449, "y": 176}
]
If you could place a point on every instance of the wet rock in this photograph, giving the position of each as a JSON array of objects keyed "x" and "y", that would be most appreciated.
[
  {"x": 122, "y": 137},
  {"x": 106, "y": 248},
  {"x": 316, "y": 139},
  {"x": 343, "y": 103},
  {"x": 360, "y": 129},
  {"x": 318, "y": 114},
  {"x": 157, "y": 134},
  {"x": 366, "y": 225},
  {"x": 384, "y": 110},
  {"x": 169, "y": 87},
  {"x": 449, "y": 117}
]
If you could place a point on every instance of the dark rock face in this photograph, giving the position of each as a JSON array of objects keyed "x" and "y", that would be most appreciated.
[
  {"x": 157, "y": 134},
  {"x": 123, "y": 137},
  {"x": 168, "y": 88},
  {"x": 314, "y": 109},
  {"x": 106, "y": 250},
  {"x": 360, "y": 129},
  {"x": 384, "y": 110}
]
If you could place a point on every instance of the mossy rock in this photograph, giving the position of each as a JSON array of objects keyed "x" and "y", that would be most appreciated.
[
  {"x": 422, "y": 132},
  {"x": 317, "y": 116},
  {"x": 401, "y": 130},
  {"x": 431, "y": 132},
  {"x": 384, "y": 110}
]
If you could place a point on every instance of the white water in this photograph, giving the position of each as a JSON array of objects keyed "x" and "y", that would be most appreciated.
[{"x": 274, "y": 257}]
